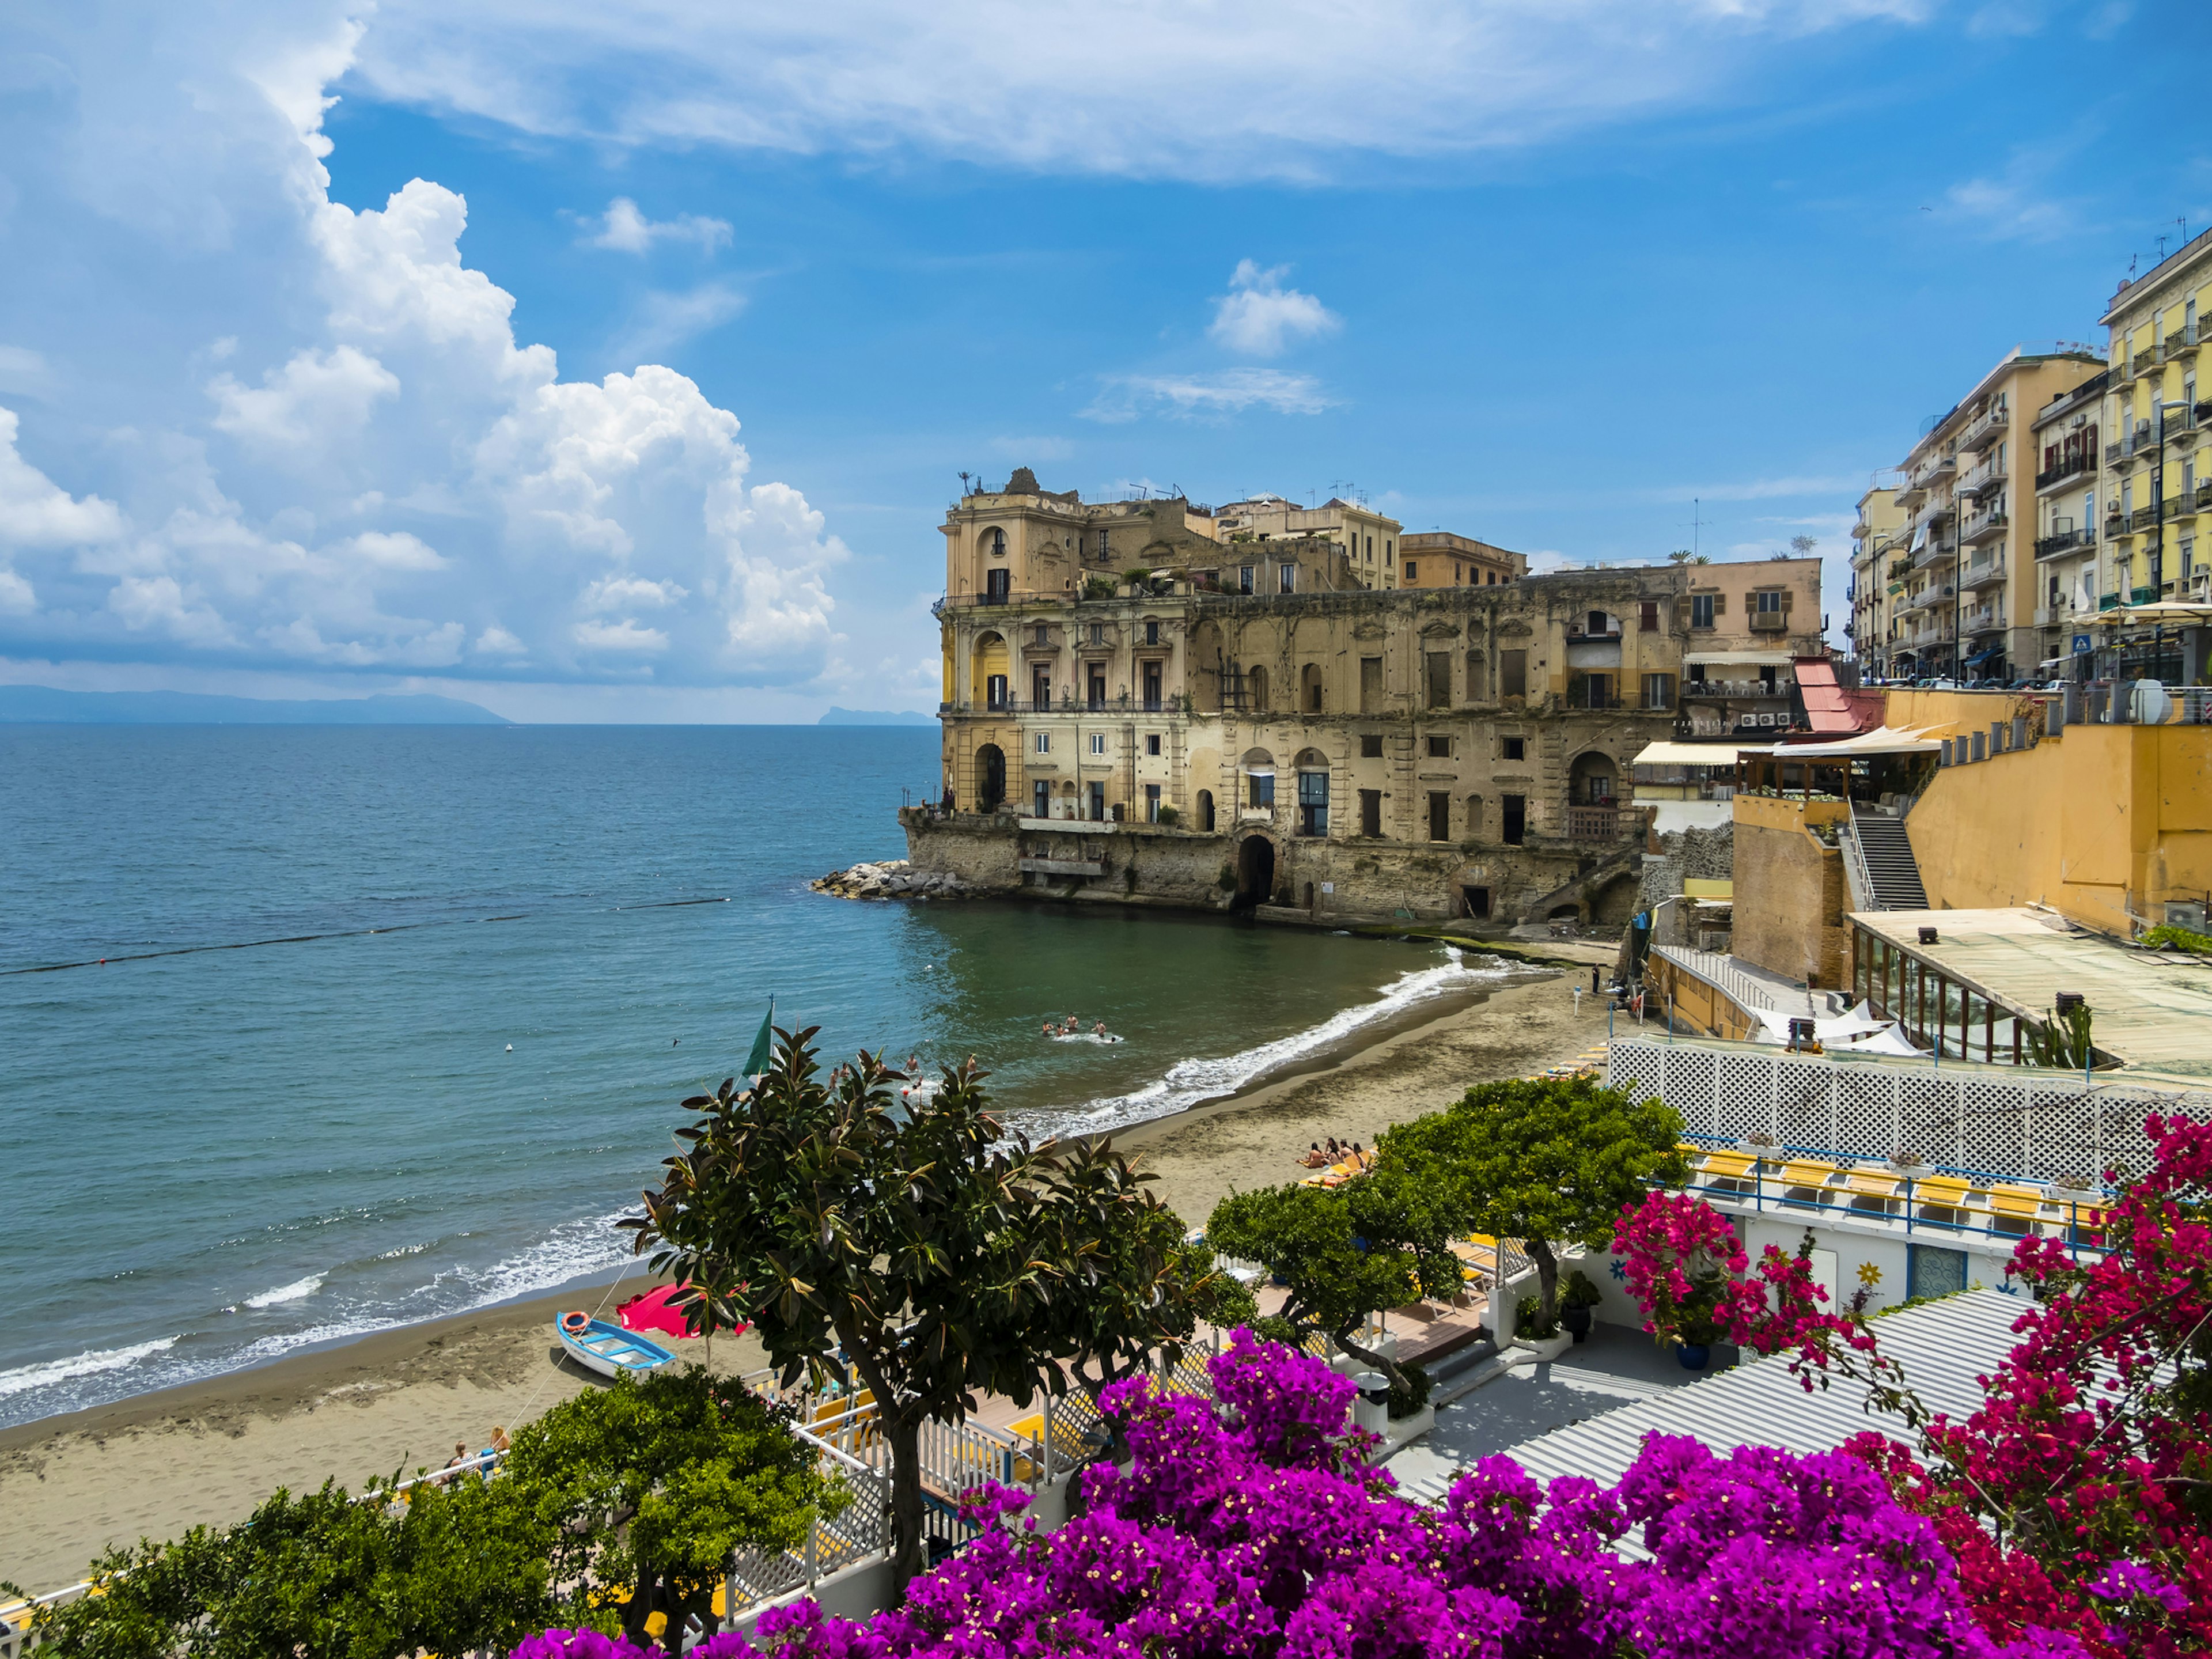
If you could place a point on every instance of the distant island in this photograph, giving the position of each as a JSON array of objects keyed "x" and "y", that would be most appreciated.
[
  {"x": 874, "y": 717},
  {"x": 23, "y": 704}
]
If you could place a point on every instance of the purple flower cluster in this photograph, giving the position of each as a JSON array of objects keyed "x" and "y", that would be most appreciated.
[
  {"x": 586, "y": 1644},
  {"x": 1257, "y": 1530}
]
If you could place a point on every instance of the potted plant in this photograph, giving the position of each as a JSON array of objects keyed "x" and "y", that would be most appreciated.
[
  {"x": 1577, "y": 1298},
  {"x": 1531, "y": 1331}
]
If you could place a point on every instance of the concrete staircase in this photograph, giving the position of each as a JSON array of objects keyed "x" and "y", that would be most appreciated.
[{"x": 1892, "y": 871}]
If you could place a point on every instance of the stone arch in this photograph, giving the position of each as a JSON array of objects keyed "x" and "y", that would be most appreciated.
[
  {"x": 991, "y": 542},
  {"x": 989, "y": 659},
  {"x": 1593, "y": 780},
  {"x": 990, "y": 777},
  {"x": 1258, "y": 766},
  {"x": 1257, "y": 683},
  {"x": 1255, "y": 871},
  {"x": 1311, "y": 693}
]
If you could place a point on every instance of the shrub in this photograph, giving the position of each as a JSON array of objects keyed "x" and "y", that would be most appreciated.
[
  {"x": 1407, "y": 1400},
  {"x": 1528, "y": 1319}
]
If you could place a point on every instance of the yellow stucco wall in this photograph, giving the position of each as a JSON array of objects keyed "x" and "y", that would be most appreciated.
[{"x": 2098, "y": 823}]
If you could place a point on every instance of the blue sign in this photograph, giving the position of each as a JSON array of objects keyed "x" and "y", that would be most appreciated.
[{"x": 2081, "y": 644}]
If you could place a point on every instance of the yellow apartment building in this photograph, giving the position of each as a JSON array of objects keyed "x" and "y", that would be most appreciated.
[
  {"x": 1968, "y": 608},
  {"x": 2156, "y": 530},
  {"x": 2068, "y": 438},
  {"x": 1438, "y": 558},
  {"x": 1877, "y": 544}
]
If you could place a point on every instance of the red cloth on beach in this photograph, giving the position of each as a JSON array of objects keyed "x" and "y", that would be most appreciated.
[{"x": 652, "y": 1312}]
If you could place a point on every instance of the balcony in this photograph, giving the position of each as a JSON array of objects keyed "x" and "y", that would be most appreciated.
[
  {"x": 1984, "y": 526},
  {"x": 1984, "y": 478},
  {"x": 1733, "y": 690},
  {"x": 2116, "y": 525},
  {"x": 2053, "y": 616},
  {"x": 1769, "y": 621},
  {"x": 2081, "y": 463},
  {"x": 1599, "y": 822},
  {"x": 1983, "y": 573},
  {"x": 1987, "y": 430},
  {"x": 1935, "y": 553},
  {"x": 2144, "y": 518},
  {"x": 1982, "y": 620},
  {"x": 2062, "y": 541}
]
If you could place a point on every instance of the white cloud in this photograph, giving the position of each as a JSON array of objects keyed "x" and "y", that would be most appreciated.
[
  {"x": 36, "y": 512},
  {"x": 1229, "y": 393},
  {"x": 1235, "y": 89},
  {"x": 1258, "y": 317},
  {"x": 24, "y": 371},
  {"x": 628, "y": 231},
  {"x": 664, "y": 321},
  {"x": 380, "y": 476}
]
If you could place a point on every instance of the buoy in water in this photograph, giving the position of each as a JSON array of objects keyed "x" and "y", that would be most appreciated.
[{"x": 510, "y": 1048}]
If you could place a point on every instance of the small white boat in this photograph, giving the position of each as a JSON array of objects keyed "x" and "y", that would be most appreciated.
[{"x": 609, "y": 1349}]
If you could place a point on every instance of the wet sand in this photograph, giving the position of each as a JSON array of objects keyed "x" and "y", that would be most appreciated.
[{"x": 71, "y": 1486}]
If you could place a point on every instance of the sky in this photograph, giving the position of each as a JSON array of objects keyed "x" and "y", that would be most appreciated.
[{"x": 616, "y": 361}]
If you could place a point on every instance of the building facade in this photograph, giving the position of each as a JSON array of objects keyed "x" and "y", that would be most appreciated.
[
  {"x": 1438, "y": 558},
  {"x": 1369, "y": 539},
  {"x": 1971, "y": 581},
  {"x": 1877, "y": 544},
  {"x": 2068, "y": 485},
  {"x": 1273, "y": 730},
  {"x": 2156, "y": 529},
  {"x": 1744, "y": 626}
]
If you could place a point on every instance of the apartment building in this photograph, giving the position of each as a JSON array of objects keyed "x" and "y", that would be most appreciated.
[
  {"x": 1230, "y": 720},
  {"x": 1369, "y": 539},
  {"x": 2156, "y": 531},
  {"x": 2068, "y": 479},
  {"x": 1744, "y": 626},
  {"x": 1438, "y": 558},
  {"x": 1877, "y": 544},
  {"x": 1971, "y": 591}
]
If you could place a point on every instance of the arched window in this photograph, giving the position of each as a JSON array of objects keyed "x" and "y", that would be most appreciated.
[
  {"x": 1206, "y": 809},
  {"x": 995, "y": 542},
  {"x": 1259, "y": 682}
]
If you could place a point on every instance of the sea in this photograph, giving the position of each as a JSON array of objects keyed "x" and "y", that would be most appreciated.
[{"x": 312, "y": 1031}]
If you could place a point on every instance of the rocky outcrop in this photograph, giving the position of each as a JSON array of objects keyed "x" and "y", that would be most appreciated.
[{"x": 894, "y": 879}]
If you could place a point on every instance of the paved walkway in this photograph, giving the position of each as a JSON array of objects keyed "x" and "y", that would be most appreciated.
[{"x": 1615, "y": 1367}]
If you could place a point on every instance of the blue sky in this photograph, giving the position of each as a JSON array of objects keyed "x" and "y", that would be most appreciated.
[{"x": 617, "y": 362}]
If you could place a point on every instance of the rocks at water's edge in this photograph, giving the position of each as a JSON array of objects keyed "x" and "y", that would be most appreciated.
[{"x": 894, "y": 879}]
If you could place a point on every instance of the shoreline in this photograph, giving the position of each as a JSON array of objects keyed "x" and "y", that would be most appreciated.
[{"x": 210, "y": 1449}]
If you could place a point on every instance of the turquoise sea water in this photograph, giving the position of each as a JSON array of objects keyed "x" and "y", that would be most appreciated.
[{"x": 285, "y": 1108}]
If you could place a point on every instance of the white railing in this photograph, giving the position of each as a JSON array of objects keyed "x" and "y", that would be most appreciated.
[{"x": 2002, "y": 1121}]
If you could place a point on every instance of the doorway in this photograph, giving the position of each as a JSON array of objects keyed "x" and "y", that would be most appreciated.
[
  {"x": 1255, "y": 872},
  {"x": 1513, "y": 810},
  {"x": 990, "y": 777}
]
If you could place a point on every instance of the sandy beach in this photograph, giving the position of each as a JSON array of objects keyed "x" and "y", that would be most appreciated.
[{"x": 71, "y": 1486}]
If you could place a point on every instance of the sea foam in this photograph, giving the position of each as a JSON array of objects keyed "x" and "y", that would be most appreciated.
[{"x": 48, "y": 1372}]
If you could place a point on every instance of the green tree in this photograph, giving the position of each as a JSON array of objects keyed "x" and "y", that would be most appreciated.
[
  {"x": 1376, "y": 1241},
  {"x": 1549, "y": 1162},
  {"x": 647, "y": 1490},
  {"x": 922, "y": 1247}
]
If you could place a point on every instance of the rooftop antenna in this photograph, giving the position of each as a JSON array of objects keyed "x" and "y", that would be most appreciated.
[
  {"x": 1697, "y": 526},
  {"x": 2161, "y": 248},
  {"x": 963, "y": 481}
]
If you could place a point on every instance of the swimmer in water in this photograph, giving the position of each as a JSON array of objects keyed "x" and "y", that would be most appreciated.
[{"x": 1099, "y": 1030}]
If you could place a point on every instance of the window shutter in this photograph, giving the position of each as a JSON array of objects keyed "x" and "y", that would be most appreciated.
[
  {"x": 1785, "y": 599},
  {"x": 1682, "y": 612},
  {"x": 1720, "y": 604}
]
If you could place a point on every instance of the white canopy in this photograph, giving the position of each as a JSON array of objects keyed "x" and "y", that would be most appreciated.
[
  {"x": 1687, "y": 753},
  {"x": 1740, "y": 658},
  {"x": 1883, "y": 740}
]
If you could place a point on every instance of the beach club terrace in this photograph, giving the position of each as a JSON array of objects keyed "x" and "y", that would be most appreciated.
[{"x": 1912, "y": 1177}]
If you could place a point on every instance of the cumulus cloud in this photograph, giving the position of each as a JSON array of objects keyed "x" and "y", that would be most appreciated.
[
  {"x": 379, "y": 475},
  {"x": 1259, "y": 318},
  {"x": 1125, "y": 397},
  {"x": 626, "y": 230},
  {"x": 1237, "y": 89}
]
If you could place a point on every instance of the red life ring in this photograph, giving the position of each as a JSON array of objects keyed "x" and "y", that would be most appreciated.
[{"x": 576, "y": 1323}]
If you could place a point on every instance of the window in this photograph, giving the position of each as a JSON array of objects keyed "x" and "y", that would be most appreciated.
[
  {"x": 1095, "y": 674},
  {"x": 1513, "y": 673},
  {"x": 1514, "y": 810},
  {"x": 1098, "y": 743},
  {"x": 1102, "y": 548},
  {"x": 1206, "y": 809},
  {"x": 1262, "y": 791},
  {"x": 1702, "y": 607},
  {"x": 1371, "y": 813},
  {"x": 1411, "y": 572},
  {"x": 995, "y": 691},
  {"x": 1647, "y": 616},
  {"x": 1244, "y": 577},
  {"x": 1098, "y": 632},
  {"x": 1313, "y": 803},
  {"x": 998, "y": 584},
  {"x": 1043, "y": 635},
  {"x": 1388, "y": 549},
  {"x": 1929, "y": 1271},
  {"x": 1151, "y": 671},
  {"x": 1767, "y": 600},
  {"x": 1152, "y": 800},
  {"x": 998, "y": 543},
  {"x": 1513, "y": 749},
  {"x": 1659, "y": 691},
  {"x": 1152, "y": 743},
  {"x": 1439, "y": 748},
  {"x": 1439, "y": 815},
  {"x": 1492, "y": 583},
  {"x": 1290, "y": 578},
  {"x": 1041, "y": 687},
  {"x": 1438, "y": 666},
  {"x": 1371, "y": 685},
  {"x": 1044, "y": 742},
  {"x": 1041, "y": 799},
  {"x": 1152, "y": 633},
  {"x": 1370, "y": 745},
  {"x": 1099, "y": 803}
]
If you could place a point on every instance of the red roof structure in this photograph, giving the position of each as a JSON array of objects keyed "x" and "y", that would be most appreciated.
[{"x": 1834, "y": 710}]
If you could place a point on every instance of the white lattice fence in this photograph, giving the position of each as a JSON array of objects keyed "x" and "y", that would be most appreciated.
[{"x": 2026, "y": 1126}]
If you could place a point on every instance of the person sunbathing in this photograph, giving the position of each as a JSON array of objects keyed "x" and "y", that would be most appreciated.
[
  {"x": 1335, "y": 1151},
  {"x": 1314, "y": 1159}
]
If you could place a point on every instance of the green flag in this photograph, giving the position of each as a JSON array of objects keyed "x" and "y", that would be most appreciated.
[{"x": 764, "y": 1045}]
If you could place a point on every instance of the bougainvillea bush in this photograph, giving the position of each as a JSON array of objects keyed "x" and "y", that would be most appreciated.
[
  {"x": 1252, "y": 1527},
  {"x": 2077, "y": 1498}
]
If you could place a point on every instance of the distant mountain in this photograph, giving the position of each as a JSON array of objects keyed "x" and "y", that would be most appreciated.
[
  {"x": 23, "y": 703},
  {"x": 874, "y": 717}
]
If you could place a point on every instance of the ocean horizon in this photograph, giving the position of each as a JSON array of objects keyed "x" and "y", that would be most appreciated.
[{"x": 323, "y": 1030}]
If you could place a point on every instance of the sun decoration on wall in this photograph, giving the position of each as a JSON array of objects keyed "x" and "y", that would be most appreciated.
[{"x": 1869, "y": 1275}]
